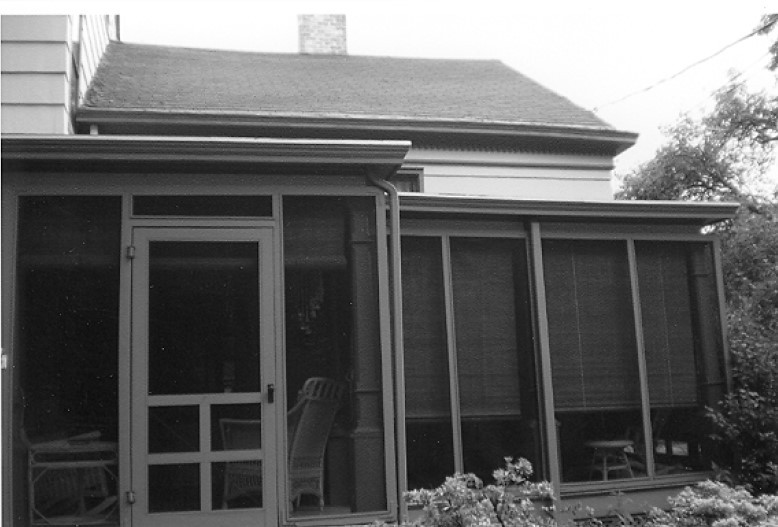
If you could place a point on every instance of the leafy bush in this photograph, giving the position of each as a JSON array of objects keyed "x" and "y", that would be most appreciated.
[
  {"x": 714, "y": 504},
  {"x": 463, "y": 500},
  {"x": 747, "y": 420}
]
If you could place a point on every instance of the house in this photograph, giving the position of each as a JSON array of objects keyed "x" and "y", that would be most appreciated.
[{"x": 220, "y": 311}]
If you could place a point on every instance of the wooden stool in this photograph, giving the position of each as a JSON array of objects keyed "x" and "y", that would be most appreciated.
[{"x": 610, "y": 456}]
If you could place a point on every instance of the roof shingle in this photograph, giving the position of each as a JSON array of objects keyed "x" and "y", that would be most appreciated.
[{"x": 134, "y": 76}]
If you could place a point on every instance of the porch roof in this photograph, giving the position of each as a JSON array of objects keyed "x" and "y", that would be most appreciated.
[
  {"x": 628, "y": 211},
  {"x": 321, "y": 156}
]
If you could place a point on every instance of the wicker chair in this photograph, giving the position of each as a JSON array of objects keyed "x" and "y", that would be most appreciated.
[
  {"x": 69, "y": 481},
  {"x": 309, "y": 424},
  {"x": 242, "y": 479}
]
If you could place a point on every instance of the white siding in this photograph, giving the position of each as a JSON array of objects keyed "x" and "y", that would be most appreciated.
[
  {"x": 38, "y": 61},
  {"x": 36, "y": 28},
  {"x": 26, "y": 57},
  {"x": 96, "y": 33},
  {"x": 528, "y": 175},
  {"x": 36, "y": 55},
  {"x": 526, "y": 188},
  {"x": 29, "y": 119},
  {"x": 35, "y": 88}
]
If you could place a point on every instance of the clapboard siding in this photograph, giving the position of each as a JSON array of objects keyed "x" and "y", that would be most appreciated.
[
  {"x": 36, "y": 55},
  {"x": 36, "y": 28},
  {"x": 35, "y": 88},
  {"x": 39, "y": 59},
  {"x": 96, "y": 33},
  {"x": 32, "y": 119}
]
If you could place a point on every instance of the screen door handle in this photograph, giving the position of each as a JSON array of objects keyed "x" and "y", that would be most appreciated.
[{"x": 271, "y": 393}]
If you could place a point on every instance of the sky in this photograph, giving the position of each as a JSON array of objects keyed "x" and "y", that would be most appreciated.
[{"x": 594, "y": 52}]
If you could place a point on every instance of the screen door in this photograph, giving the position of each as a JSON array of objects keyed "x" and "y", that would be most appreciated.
[{"x": 202, "y": 377}]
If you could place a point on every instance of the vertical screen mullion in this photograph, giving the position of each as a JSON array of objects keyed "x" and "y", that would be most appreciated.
[
  {"x": 456, "y": 426},
  {"x": 642, "y": 370}
]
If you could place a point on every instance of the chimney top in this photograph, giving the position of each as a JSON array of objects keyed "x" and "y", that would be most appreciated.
[{"x": 322, "y": 34}]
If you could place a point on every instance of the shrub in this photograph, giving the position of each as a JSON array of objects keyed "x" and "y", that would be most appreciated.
[
  {"x": 463, "y": 500},
  {"x": 714, "y": 504}
]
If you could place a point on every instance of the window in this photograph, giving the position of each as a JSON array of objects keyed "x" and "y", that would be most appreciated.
[
  {"x": 608, "y": 374},
  {"x": 409, "y": 179},
  {"x": 203, "y": 206},
  {"x": 469, "y": 358}
]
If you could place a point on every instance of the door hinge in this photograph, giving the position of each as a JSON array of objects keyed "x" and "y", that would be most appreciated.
[
  {"x": 130, "y": 252},
  {"x": 130, "y": 497},
  {"x": 3, "y": 362}
]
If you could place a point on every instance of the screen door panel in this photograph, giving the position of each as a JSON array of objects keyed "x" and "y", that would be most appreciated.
[{"x": 201, "y": 360}]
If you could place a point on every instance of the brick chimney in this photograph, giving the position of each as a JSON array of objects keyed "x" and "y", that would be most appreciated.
[{"x": 322, "y": 34}]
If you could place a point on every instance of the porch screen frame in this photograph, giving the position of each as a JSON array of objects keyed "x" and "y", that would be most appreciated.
[
  {"x": 445, "y": 231},
  {"x": 126, "y": 185},
  {"x": 630, "y": 235},
  {"x": 387, "y": 364}
]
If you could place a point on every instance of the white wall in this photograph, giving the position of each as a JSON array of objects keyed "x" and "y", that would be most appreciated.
[
  {"x": 36, "y": 73},
  {"x": 39, "y": 73},
  {"x": 511, "y": 174}
]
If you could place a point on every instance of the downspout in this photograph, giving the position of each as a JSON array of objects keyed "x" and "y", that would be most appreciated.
[{"x": 397, "y": 332}]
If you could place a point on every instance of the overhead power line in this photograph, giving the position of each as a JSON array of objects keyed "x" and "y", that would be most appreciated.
[
  {"x": 761, "y": 28},
  {"x": 734, "y": 82}
]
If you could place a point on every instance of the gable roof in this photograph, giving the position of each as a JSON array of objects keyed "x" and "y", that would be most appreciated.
[
  {"x": 160, "y": 80},
  {"x": 157, "y": 77}
]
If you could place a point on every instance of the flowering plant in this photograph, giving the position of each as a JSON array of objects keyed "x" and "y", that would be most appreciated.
[{"x": 463, "y": 500}]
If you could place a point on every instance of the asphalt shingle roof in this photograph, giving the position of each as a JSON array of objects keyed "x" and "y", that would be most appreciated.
[{"x": 135, "y": 76}]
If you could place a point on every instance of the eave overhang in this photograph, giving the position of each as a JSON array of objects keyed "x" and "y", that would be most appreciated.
[
  {"x": 689, "y": 213},
  {"x": 380, "y": 158},
  {"x": 590, "y": 139}
]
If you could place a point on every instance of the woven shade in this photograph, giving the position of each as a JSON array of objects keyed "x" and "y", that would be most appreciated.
[
  {"x": 667, "y": 323},
  {"x": 484, "y": 301},
  {"x": 485, "y": 317},
  {"x": 424, "y": 330},
  {"x": 591, "y": 326}
]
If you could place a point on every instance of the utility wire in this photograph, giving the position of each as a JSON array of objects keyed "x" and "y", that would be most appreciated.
[
  {"x": 733, "y": 81},
  {"x": 763, "y": 27}
]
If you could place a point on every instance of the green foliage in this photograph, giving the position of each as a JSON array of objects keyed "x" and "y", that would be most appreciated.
[
  {"x": 463, "y": 500},
  {"x": 715, "y": 504}
]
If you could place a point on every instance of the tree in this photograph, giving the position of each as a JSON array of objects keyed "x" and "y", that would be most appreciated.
[
  {"x": 770, "y": 22},
  {"x": 722, "y": 156},
  {"x": 725, "y": 156}
]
